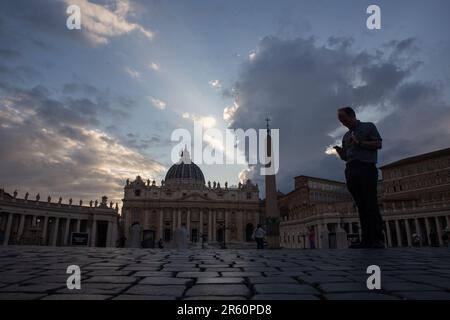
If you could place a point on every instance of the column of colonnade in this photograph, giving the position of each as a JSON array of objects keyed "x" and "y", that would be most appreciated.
[
  {"x": 54, "y": 233},
  {"x": 432, "y": 223},
  {"x": 397, "y": 229}
]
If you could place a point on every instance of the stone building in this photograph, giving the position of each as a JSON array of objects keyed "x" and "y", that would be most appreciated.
[
  {"x": 216, "y": 212},
  {"x": 319, "y": 208},
  {"x": 414, "y": 199},
  {"x": 35, "y": 222}
]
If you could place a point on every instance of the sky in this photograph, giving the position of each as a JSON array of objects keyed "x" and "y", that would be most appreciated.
[{"x": 83, "y": 110}]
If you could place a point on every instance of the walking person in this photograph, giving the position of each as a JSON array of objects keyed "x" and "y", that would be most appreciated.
[
  {"x": 312, "y": 238},
  {"x": 259, "y": 235},
  {"x": 359, "y": 150}
]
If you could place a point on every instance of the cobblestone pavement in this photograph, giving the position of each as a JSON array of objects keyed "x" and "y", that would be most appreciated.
[{"x": 117, "y": 273}]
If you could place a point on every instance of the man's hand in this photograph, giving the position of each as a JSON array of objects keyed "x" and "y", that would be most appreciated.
[
  {"x": 338, "y": 149},
  {"x": 340, "y": 152}
]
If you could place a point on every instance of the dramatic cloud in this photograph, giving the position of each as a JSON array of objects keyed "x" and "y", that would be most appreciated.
[
  {"x": 132, "y": 73},
  {"x": 154, "y": 66},
  {"x": 157, "y": 103},
  {"x": 99, "y": 23},
  {"x": 215, "y": 84},
  {"x": 51, "y": 146},
  {"x": 205, "y": 121},
  {"x": 299, "y": 84}
]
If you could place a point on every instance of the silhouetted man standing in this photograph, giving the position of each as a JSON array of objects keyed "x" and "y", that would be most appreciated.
[{"x": 359, "y": 150}]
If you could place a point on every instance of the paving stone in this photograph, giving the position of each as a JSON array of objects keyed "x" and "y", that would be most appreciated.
[
  {"x": 241, "y": 274},
  {"x": 165, "y": 281},
  {"x": 115, "y": 273},
  {"x": 222, "y": 290},
  {"x": 95, "y": 288},
  {"x": 76, "y": 297},
  {"x": 344, "y": 287},
  {"x": 324, "y": 279},
  {"x": 153, "y": 274},
  {"x": 149, "y": 290},
  {"x": 21, "y": 296},
  {"x": 285, "y": 289},
  {"x": 197, "y": 274},
  {"x": 111, "y": 279},
  {"x": 219, "y": 280},
  {"x": 359, "y": 296},
  {"x": 255, "y": 280},
  {"x": 6, "y": 278},
  {"x": 222, "y": 270},
  {"x": 33, "y": 288},
  {"x": 406, "y": 286}
]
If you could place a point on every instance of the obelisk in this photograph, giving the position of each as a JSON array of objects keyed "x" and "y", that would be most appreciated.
[{"x": 272, "y": 214}]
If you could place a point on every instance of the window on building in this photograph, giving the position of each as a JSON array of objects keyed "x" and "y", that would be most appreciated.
[
  {"x": 249, "y": 195},
  {"x": 137, "y": 193}
]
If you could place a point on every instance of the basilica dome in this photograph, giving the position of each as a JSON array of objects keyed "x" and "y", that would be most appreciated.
[{"x": 185, "y": 171}]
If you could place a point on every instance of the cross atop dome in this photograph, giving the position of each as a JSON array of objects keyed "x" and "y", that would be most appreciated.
[{"x": 185, "y": 156}]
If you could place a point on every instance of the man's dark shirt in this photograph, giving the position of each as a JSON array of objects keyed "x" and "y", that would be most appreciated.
[{"x": 364, "y": 131}]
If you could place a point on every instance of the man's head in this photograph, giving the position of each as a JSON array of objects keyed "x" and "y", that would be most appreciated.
[
  {"x": 347, "y": 117},
  {"x": 259, "y": 226}
]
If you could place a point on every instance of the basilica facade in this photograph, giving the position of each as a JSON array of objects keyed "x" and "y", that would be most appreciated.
[{"x": 218, "y": 213}]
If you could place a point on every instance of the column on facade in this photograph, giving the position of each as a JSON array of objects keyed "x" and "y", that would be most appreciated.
[
  {"x": 214, "y": 225},
  {"x": 78, "y": 225},
  {"x": 398, "y": 234},
  {"x": 21, "y": 225},
  {"x": 200, "y": 229},
  {"x": 350, "y": 227},
  {"x": 174, "y": 222},
  {"x": 109, "y": 234},
  {"x": 161, "y": 222},
  {"x": 94, "y": 233},
  {"x": 66, "y": 232},
  {"x": 240, "y": 226},
  {"x": 226, "y": 231},
  {"x": 210, "y": 233},
  {"x": 44, "y": 231},
  {"x": 439, "y": 230},
  {"x": 179, "y": 218},
  {"x": 8, "y": 229},
  {"x": 55, "y": 232},
  {"x": 145, "y": 219},
  {"x": 418, "y": 230},
  {"x": 33, "y": 221},
  {"x": 319, "y": 238},
  {"x": 359, "y": 231},
  {"x": 427, "y": 228},
  {"x": 408, "y": 233},
  {"x": 388, "y": 234},
  {"x": 447, "y": 220},
  {"x": 188, "y": 222}
]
